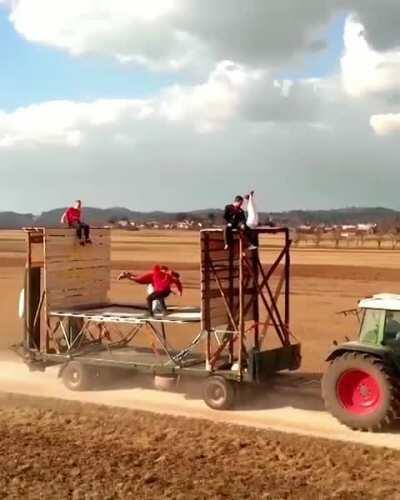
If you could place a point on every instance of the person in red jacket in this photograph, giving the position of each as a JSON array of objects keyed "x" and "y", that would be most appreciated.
[
  {"x": 73, "y": 217},
  {"x": 162, "y": 280}
]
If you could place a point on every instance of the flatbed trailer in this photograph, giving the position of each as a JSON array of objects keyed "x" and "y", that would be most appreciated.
[{"x": 69, "y": 321}]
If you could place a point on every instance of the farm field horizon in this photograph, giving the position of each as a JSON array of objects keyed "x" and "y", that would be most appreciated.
[{"x": 324, "y": 282}]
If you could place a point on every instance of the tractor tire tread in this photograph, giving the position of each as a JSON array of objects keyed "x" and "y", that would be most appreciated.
[{"x": 387, "y": 373}]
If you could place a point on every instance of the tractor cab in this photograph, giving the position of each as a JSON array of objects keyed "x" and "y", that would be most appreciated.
[
  {"x": 361, "y": 386},
  {"x": 380, "y": 320}
]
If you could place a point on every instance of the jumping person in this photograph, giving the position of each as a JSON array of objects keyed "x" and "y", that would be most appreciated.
[
  {"x": 235, "y": 218},
  {"x": 73, "y": 217},
  {"x": 162, "y": 279}
]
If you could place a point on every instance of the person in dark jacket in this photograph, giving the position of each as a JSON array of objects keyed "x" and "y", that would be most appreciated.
[{"x": 235, "y": 218}]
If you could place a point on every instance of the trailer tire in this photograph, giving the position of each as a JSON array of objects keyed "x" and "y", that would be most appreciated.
[
  {"x": 219, "y": 393},
  {"x": 77, "y": 376},
  {"x": 164, "y": 383}
]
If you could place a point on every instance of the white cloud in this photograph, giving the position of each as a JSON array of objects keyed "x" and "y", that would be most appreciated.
[
  {"x": 373, "y": 77},
  {"x": 159, "y": 163},
  {"x": 364, "y": 70},
  {"x": 148, "y": 154},
  {"x": 175, "y": 34},
  {"x": 386, "y": 124},
  {"x": 129, "y": 31},
  {"x": 65, "y": 123},
  {"x": 232, "y": 93},
  {"x": 236, "y": 93},
  {"x": 381, "y": 20},
  {"x": 212, "y": 104},
  {"x": 172, "y": 34},
  {"x": 196, "y": 145}
]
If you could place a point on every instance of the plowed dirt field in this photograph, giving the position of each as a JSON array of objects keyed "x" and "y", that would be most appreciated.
[{"x": 57, "y": 450}]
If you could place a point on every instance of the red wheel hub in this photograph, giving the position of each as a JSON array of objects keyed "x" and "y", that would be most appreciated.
[{"x": 359, "y": 392}]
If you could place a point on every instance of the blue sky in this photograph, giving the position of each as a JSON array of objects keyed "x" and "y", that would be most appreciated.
[
  {"x": 32, "y": 73},
  {"x": 325, "y": 62},
  {"x": 228, "y": 127}
]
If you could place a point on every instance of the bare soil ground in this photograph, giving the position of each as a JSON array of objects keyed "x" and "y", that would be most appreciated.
[{"x": 53, "y": 449}]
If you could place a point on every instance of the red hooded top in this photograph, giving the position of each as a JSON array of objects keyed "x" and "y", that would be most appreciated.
[
  {"x": 73, "y": 215},
  {"x": 162, "y": 281}
]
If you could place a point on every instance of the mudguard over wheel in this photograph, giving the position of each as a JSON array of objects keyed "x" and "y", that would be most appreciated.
[
  {"x": 78, "y": 376},
  {"x": 219, "y": 393},
  {"x": 361, "y": 391}
]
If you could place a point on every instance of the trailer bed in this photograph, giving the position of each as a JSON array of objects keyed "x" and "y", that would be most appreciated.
[
  {"x": 144, "y": 360},
  {"x": 128, "y": 356}
]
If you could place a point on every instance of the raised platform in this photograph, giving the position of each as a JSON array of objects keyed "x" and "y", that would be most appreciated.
[{"x": 258, "y": 229}]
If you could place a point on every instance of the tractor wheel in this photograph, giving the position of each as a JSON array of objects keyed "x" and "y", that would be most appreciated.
[
  {"x": 361, "y": 391},
  {"x": 77, "y": 376},
  {"x": 219, "y": 393}
]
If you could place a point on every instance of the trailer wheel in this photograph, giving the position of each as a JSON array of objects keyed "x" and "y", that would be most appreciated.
[
  {"x": 164, "y": 383},
  {"x": 361, "y": 391},
  {"x": 77, "y": 376},
  {"x": 219, "y": 393}
]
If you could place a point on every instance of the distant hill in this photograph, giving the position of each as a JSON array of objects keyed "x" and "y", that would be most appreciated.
[
  {"x": 351, "y": 215},
  {"x": 13, "y": 220},
  {"x": 100, "y": 216}
]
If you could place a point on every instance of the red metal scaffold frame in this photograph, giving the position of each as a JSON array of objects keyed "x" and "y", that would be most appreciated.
[{"x": 244, "y": 286}]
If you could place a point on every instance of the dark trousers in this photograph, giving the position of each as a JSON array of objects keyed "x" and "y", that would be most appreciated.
[
  {"x": 161, "y": 296},
  {"x": 81, "y": 226},
  {"x": 249, "y": 234}
]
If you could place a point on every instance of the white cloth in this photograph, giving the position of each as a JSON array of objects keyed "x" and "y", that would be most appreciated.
[
  {"x": 21, "y": 304},
  {"x": 252, "y": 215}
]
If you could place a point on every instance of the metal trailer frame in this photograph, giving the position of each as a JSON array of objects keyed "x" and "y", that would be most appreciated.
[
  {"x": 235, "y": 289},
  {"x": 244, "y": 301}
]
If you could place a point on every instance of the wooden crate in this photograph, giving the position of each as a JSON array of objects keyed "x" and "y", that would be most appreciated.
[{"x": 76, "y": 275}]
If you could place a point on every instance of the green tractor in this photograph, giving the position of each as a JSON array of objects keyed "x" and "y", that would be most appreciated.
[{"x": 361, "y": 386}]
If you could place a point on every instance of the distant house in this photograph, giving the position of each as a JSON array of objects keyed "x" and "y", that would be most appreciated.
[
  {"x": 349, "y": 228},
  {"x": 122, "y": 223},
  {"x": 306, "y": 229},
  {"x": 366, "y": 228}
]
